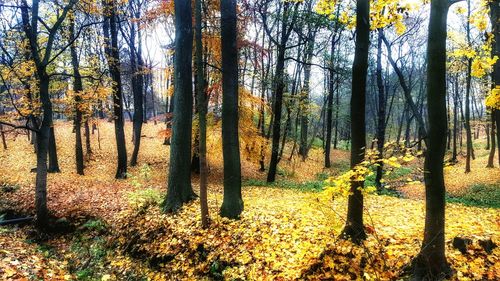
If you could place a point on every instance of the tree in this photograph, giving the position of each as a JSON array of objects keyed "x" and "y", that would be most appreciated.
[
  {"x": 77, "y": 89},
  {"x": 110, "y": 30},
  {"x": 289, "y": 15},
  {"x": 202, "y": 115},
  {"x": 42, "y": 58},
  {"x": 381, "y": 113},
  {"x": 468, "y": 130},
  {"x": 180, "y": 190},
  {"x": 494, "y": 97},
  {"x": 431, "y": 262},
  {"x": 232, "y": 204},
  {"x": 136, "y": 64},
  {"x": 354, "y": 228}
]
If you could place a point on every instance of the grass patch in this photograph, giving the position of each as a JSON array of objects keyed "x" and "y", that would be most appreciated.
[
  {"x": 479, "y": 195},
  {"x": 322, "y": 176},
  {"x": 399, "y": 173},
  {"x": 89, "y": 257},
  {"x": 144, "y": 198},
  {"x": 311, "y": 186},
  {"x": 340, "y": 166}
]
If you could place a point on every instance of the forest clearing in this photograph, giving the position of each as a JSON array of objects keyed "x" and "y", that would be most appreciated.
[
  {"x": 249, "y": 140},
  {"x": 285, "y": 232}
]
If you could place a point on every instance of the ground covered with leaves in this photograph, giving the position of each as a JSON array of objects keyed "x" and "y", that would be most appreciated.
[{"x": 115, "y": 230}]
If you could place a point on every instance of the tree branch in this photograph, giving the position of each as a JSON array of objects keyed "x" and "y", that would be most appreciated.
[{"x": 26, "y": 127}]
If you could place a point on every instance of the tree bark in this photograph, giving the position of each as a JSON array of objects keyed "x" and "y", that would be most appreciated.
[
  {"x": 381, "y": 112},
  {"x": 77, "y": 89},
  {"x": 430, "y": 263},
  {"x": 202, "y": 113},
  {"x": 455, "y": 121},
  {"x": 468, "y": 131},
  {"x": 493, "y": 128},
  {"x": 232, "y": 204},
  {"x": 329, "y": 106},
  {"x": 180, "y": 190},
  {"x": 354, "y": 228},
  {"x": 279, "y": 86},
  {"x": 113, "y": 57},
  {"x": 304, "y": 95},
  {"x": 4, "y": 141},
  {"x": 136, "y": 65}
]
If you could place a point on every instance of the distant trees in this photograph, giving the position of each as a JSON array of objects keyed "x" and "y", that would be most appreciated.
[{"x": 289, "y": 13}]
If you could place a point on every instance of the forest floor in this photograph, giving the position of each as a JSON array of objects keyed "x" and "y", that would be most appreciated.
[{"x": 114, "y": 229}]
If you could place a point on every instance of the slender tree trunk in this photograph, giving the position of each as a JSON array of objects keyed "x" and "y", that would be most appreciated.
[
  {"x": 113, "y": 57},
  {"x": 491, "y": 156},
  {"x": 202, "y": 111},
  {"x": 53, "y": 160},
  {"x": 304, "y": 95},
  {"x": 232, "y": 204},
  {"x": 329, "y": 106},
  {"x": 495, "y": 115},
  {"x": 430, "y": 263},
  {"x": 136, "y": 65},
  {"x": 180, "y": 190},
  {"x": 279, "y": 86},
  {"x": 381, "y": 112},
  {"x": 455, "y": 121},
  {"x": 278, "y": 104},
  {"x": 77, "y": 89},
  {"x": 337, "y": 109},
  {"x": 354, "y": 228},
  {"x": 43, "y": 135},
  {"x": 88, "y": 148},
  {"x": 468, "y": 131},
  {"x": 4, "y": 141},
  {"x": 487, "y": 133}
]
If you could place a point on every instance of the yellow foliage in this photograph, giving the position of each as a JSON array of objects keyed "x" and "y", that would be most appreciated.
[{"x": 493, "y": 99}]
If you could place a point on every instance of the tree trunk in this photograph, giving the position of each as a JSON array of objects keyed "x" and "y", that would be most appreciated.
[
  {"x": 113, "y": 57},
  {"x": 42, "y": 139},
  {"x": 232, "y": 204},
  {"x": 354, "y": 228},
  {"x": 4, "y": 142},
  {"x": 491, "y": 156},
  {"x": 180, "y": 190},
  {"x": 77, "y": 89},
  {"x": 468, "y": 131},
  {"x": 136, "y": 65},
  {"x": 88, "y": 148},
  {"x": 202, "y": 111},
  {"x": 304, "y": 95},
  {"x": 329, "y": 106},
  {"x": 278, "y": 103},
  {"x": 455, "y": 121},
  {"x": 381, "y": 112},
  {"x": 53, "y": 160},
  {"x": 494, "y": 17},
  {"x": 279, "y": 86},
  {"x": 430, "y": 263}
]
